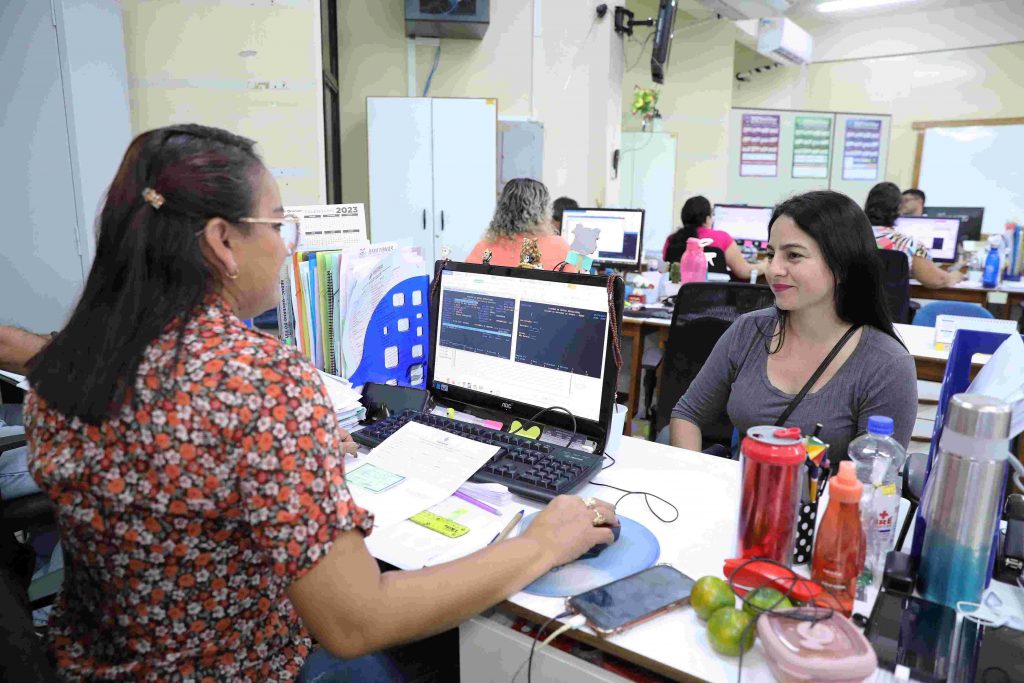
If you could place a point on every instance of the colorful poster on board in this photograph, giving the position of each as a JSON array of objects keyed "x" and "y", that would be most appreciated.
[
  {"x": 812, "y": 146},
  {"x": 759, "y": 146},
  {"x": 861, "y": 147}
]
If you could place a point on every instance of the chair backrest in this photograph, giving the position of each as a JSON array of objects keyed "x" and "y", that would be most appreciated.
[
  {"x": 717, "y": 264},
  {"x": 703, "y": 312},
  {"x": 22, "y": 657},
  {"x": 929, "y": 312},
  {"x": 896, "y": 280}
]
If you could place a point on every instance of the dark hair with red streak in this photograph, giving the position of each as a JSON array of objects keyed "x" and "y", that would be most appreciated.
[{"x": 149, "y": 273}]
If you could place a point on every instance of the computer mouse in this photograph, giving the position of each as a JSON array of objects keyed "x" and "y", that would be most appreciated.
[{"x": 600, "y": 547}]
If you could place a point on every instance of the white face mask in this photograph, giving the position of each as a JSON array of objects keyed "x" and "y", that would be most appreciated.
[{"x": 995, "y": 612}]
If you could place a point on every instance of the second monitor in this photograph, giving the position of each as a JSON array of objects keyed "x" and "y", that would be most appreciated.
[
  {"x": 939, "y": 235},
  {"x": 611, "y": 236},
  {"x": 744, "y": 223}
]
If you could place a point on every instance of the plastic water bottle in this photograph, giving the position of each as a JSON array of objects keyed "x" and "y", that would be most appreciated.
[
  {"x": 993, "y": 263},
  {"x": 693, "y": 267},
  {"x": 879, "y": 459}
]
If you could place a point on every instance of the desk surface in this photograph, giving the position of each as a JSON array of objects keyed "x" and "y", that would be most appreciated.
[
  {"x": 1005, "y": 286},
  {"x": 706, "y": 490}
]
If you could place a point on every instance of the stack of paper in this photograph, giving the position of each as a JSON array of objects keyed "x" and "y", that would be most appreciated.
[{"x": 346, "y": 400}]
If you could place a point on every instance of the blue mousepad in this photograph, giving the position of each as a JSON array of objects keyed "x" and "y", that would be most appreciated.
[{"x": 636, "y": 549}]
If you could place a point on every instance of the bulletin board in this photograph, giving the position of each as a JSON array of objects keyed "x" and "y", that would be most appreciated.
[{"x": 777, "y": 153}]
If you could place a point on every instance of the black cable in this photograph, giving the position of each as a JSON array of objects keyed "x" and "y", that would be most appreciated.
[
  {"x": 645, "y": 494},
  {"x": 567, "y": 412},
  {"x": 607, "y": 455},
  {"x": 643, "y": 45},
  {"x": 811, "y": 614},
  {"x": 529, "y": 662}
]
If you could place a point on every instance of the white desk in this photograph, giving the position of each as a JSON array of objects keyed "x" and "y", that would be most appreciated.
[{"x": 706, "y": 490}]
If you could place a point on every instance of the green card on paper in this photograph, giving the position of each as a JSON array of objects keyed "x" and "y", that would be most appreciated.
[{"x": 372, "y": 478}]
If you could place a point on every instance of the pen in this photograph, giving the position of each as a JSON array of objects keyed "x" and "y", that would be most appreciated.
[
  {"x": 479, "y": 503},
  {"x": 501, "y": 535}
]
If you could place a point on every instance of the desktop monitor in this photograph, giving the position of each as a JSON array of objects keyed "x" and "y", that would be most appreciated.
[
  {"x": 744, "y": 223},
  {"x": 970, "y": 219},
  {"x": 611, "y": 236},
  {"x": 662, "y": 39},
  {"x": 515, "y": 341},
  {"x": 939, "y": 235}
]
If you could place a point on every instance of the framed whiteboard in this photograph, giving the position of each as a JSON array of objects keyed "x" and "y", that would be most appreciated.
[{"x": 973, "y": 163}]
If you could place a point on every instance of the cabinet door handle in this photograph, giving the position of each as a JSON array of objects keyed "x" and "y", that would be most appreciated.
[
  {"x": 424, "y": 219},
  {"x": 442, "y": 220}
]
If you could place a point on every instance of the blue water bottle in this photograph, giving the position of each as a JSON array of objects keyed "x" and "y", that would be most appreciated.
[{"x": 992, "y": 263}]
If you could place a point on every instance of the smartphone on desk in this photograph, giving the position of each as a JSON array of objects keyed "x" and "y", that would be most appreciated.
[{"x": 614, "y": 607}]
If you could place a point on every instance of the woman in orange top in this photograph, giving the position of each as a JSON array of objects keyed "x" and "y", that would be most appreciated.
[
  {"x": 522, "y": 212},
  {"x": 197, "y": 466}
]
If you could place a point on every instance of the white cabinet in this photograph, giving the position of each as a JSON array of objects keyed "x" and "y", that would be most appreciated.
[{"x": 433, "y": 171}]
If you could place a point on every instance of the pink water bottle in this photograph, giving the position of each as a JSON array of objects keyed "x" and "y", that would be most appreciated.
[{"x": 693, "y": 267}]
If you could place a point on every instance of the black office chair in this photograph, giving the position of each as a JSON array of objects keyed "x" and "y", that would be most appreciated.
[
  {"x": 22, "y": 657},
  {"x": 703, "y": 312},
  {"x": 896, "y": 280}
]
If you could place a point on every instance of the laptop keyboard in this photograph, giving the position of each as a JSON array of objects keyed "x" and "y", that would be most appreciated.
[{"x": 528, "y": 468}]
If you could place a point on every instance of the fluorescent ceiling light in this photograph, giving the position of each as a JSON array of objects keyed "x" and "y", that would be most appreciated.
[{"x": 843, "y": 5}]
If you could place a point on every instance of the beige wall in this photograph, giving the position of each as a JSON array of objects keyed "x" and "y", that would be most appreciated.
[
  {"x": 184, "y": 66},
  {"x": 695, "y": 100},
  {"x": 550, "y": 60},
  {"x": 973, "y": 83}
]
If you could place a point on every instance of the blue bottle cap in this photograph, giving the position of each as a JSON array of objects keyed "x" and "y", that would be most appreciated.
[{"x": 881, "y": 425}]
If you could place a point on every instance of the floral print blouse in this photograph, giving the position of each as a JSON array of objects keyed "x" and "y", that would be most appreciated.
[{"x": 186, "y": 516}]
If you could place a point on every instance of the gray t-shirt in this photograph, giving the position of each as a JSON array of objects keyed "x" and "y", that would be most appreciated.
[{"x": 879, "y": 378}]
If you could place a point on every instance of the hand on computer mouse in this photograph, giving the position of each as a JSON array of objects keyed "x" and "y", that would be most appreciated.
[
  {"x": 565, "y": 528},
  {"x": 601, "y": 547}
]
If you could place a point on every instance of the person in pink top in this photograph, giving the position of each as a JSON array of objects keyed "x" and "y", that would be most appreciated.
[
  {"x": 697, "y": 221},
  {"x": 522, "y": 212}
]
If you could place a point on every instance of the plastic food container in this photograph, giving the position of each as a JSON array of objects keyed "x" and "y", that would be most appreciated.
[{"x": 832, "y": 650}]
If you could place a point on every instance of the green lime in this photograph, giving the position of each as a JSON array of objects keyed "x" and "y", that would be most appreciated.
[
  {"x": 725, "y": 629},
  {"x": 764, "y": 599},
  {"x": 709, "y": 594}
]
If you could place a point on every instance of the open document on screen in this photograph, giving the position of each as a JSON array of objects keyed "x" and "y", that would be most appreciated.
[{"x": 531, "y": 341}]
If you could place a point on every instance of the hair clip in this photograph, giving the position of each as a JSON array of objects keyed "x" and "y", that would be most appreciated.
[{"x": 153, "y": 198}]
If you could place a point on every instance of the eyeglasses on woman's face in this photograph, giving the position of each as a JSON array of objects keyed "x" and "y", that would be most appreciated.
[{"x": 288, "y": 227}]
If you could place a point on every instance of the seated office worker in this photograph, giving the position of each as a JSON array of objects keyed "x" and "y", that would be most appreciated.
[
  {"x": 197, "y": 464},
  {"x": 697, "y": 222},
  {"x": 912, "y": 202},
  {"x": 883, "y": 208},
  {"x": 828, "y": 295},
  {"x": 522, "y": 211},
  {"x": 558, "y": 207}
]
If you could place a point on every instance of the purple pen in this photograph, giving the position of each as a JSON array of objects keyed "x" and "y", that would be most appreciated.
[{"x": 480, "y": 504}]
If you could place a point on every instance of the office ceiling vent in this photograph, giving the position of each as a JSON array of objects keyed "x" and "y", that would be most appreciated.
[
  {"x": 447, "y": 18},
  {"x": 748, "y": 9}
]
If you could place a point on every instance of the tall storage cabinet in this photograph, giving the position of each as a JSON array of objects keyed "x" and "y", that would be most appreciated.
[{"x": 433, "y": 171}]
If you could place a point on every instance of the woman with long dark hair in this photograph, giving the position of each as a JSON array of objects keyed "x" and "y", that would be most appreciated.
[
  {"x": 697, "y": 222},
  {"x": 883, "y": 208},
  {"x": 828, "y": 295},
  {"x": 197, "y": 465}
]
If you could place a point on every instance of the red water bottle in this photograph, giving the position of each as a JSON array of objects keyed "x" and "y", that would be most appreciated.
[
  {"x": 772, "y": 460},
  {"x": 840, "y": 545}
]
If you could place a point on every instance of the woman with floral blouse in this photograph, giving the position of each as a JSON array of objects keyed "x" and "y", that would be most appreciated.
[{"x": 196, "y": 463}]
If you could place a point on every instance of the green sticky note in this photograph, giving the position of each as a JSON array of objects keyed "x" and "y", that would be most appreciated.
[{"x": 372, "y": 478}]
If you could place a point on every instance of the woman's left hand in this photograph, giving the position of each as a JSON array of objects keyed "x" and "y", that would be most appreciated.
[{"x": 347, "y": 446}]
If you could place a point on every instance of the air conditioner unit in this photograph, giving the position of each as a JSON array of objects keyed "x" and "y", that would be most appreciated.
[
  {"x": 747, "y": 9},
  {"x": 784, "y": 41}
]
